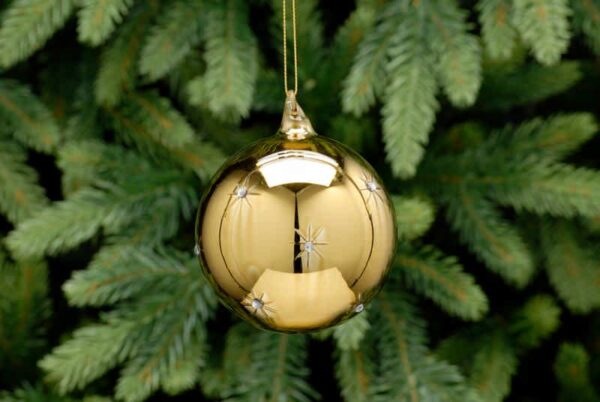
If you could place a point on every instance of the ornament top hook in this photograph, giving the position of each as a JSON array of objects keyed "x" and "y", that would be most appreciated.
[{"x": 294, "y": 124}]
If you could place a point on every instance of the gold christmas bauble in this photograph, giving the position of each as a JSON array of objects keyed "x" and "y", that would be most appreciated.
[{"x": 296, "y": 232}]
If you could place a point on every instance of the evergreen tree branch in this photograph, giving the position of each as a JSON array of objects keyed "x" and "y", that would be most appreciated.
[
  {"x": 410, "y": 103},
  {"x": 496, "y": 29},
  {"x": 414, "y": 216},
  {"x": 586, "y": 19},
  {"x": 120, "y": 272},
  {"x": 155, "y": 116},
  {"x": 76, "y": 219},
  {"x": 232, "y": 62},
  {"x": 407, "y": 371},
  {"x": 355, "y": 372},
  {"x": 573, "y": 268},
  {"x": 554, "y": 138},
  {"x": 176, "y": 337},
  {"x": 503, "y": 89},
  {"x": 118, "y": 64},
  {"x": 278, "y": 370},
  {"x": 493, "y": 367},
  {"x": 99, "y": 18},
  {"x": 367, "y": 77},
  {"x": 441, "y": 279},
  {"x": 546, "y": 188},
  {"x": 24, "y": 311},
  {"x": 458, "y": 52},
  {"x": 28, "y": 119},
  {"x": 535, "y": 321},
  {"x": 350, "y": 334},
  {"x": 490, "y": 237},
  {"x": 572, "y": 372},
  {"x": 176, "y": 32},
  {"x": 105, "y": 344},
  {"x": 20, "y": 195},
  {"x": 544, "y": 27},
  {"x": 27, "y": 25}
]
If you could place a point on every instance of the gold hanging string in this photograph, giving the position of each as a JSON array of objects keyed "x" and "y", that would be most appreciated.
[{"x": 285, "y": 73}]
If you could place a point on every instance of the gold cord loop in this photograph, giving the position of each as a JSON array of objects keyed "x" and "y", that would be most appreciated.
[{"x": 285, "y": 73}]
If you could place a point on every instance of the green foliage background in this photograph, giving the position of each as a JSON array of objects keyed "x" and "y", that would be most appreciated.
[{"x": 480, "y": 115}]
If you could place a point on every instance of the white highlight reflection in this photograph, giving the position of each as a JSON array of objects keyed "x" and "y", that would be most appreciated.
[{"x": 287, "y": 167}]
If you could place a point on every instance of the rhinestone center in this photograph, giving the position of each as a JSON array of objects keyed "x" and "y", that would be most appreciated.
[
  {"x": 371, "y": 186},
  {"x": 309, "y": 246},
  {"x": 241, "y": 192},
  {"x": 257, "y": 304}
]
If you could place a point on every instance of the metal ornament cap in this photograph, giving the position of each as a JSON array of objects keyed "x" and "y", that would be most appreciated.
[{"x": 296, "y": 232}]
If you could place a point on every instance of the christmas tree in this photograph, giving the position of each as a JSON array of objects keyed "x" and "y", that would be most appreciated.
[{"x": 480, "y": 116}]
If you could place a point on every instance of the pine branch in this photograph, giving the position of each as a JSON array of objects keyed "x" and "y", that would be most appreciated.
[
  {"x": 554, "y": 138},
  {"x": 86, "y": 162},
  {"x": 155, "y": 116},
  {"x": 226, "y": 379},
  {"x": 20, "y": 195},
  {"x": 441, "y": 279},
  {"x": 99, "y": 18},
  {"x": 104, "y": 344},
  {"x": 151, "y": 333},
  {"x": 28, "y": 119},
  {"x": 534, "y": 322},
  {"x": 78, "y": 218},
  {"x": 407, "y": 371},
  {"x": 176, "y": 32},
  {"x": 176, "y": 337},
  {"x": 490, "y": 237},
  {"x": 367, "y": 77},
  {"x": 232, "y": 62},
  {"x": 573, "y": 268},
  {"x": 572, "y": 372},
  {"x": 278, "y": 370},
  {"x": 346, "y": 43},
  {"x": 496, "y": 29},
  {"x": 121, "y": 272},
  {"x": 544, "y": 27},
  {"x": 145, "y": 129},
  {"x": 586, "y": 19},
  {"x": 27, "y": 25},
  {"x": 458, "y": 52},
  {"x": 545, "y": 188},
  {"x": 504, "y": 89},
  {"x": 414, "y": 216},
  {"x": 355, "y": 373},
  {"x": 410, "y": 104},
  {"x": 118, "y": 64},
  {"x": 350, "y": 334},
  {"x": 493, "y": 367},
  {"x": 38, "y": 393},
  {"x": 74, "y": 221},
  {"x": 24, "y": 311}
]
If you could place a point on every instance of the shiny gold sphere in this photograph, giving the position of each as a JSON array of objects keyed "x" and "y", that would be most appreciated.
[{"x": 296, "y": 233}]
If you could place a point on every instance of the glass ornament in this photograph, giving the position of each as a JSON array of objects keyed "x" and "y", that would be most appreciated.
[{"x": 296, "y": 232}]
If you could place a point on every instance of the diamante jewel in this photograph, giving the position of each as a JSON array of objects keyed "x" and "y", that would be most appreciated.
[
  {"x": 371, "y": 186},
  {"x": 310, "y": 241},
  {"x": 197, "y": 249},
  {"x": 241, "y": 191},
  {"x": 257, "y": 304},
  {"x": 359, "y": 308}
]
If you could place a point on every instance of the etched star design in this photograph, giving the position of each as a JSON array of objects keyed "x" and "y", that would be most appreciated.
[
  {"x": 310, "y": 243},
  {"x": 259, "y": 306},
  {"x": 372, "y": 187},
  {"x": 241, "y": 193}
]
